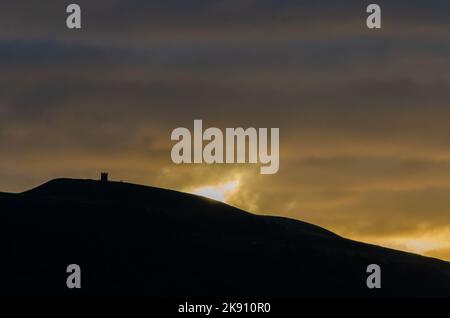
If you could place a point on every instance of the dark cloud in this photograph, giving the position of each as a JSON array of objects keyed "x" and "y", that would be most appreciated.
[{"x": 144, "y": 21}]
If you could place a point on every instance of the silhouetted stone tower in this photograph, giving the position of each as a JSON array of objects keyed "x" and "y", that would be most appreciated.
[{"x": 104, "y": 177}]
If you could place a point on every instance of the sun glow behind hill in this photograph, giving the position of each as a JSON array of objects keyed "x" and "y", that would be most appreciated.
[{"x": 218, "y": 192}]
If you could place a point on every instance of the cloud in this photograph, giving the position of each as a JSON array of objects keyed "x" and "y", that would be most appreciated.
[
  {"x": 119, "y": 22},
  {"x": 440, "y": 253}
]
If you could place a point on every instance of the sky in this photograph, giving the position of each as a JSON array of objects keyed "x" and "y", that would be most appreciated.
[{"x": 363, "y": 114}]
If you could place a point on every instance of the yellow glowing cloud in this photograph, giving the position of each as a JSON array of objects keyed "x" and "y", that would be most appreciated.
[
  {"x": 218, "y": 192},
  {"x": 432, "y": 243}
]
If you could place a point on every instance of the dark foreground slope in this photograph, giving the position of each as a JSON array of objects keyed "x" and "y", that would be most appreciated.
[{"x": 132, "y": 240}]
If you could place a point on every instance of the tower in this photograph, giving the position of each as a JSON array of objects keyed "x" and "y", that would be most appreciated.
[{"x": 104, "y": 177}]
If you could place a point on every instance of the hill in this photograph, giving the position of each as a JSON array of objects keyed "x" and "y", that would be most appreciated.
[{"x": 137, "y": 241}]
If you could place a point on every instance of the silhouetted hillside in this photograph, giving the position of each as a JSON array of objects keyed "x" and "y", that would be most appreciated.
[{"x": 132, "y": 240}]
